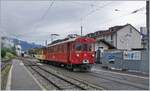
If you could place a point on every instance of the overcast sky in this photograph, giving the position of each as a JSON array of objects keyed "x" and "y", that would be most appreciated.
[{"x": 34, "y": 21}]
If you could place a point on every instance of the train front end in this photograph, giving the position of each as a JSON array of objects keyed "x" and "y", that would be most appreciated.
[{"x": 83, "y": 55}]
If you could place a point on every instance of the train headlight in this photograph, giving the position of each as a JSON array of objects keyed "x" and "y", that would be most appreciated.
[
  {"x": 93, "y": 55},
  {"x": 77, "y": 55}
]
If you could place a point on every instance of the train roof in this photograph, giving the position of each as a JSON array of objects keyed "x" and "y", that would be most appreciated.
[
  {"x": 66, "y": 41},
  {"x": 79, "y": 39}
]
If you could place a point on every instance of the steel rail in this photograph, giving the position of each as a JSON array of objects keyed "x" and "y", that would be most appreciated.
[
  {"x": 59, "y": 88},
  {"x": 62, "y": 78},
  {"x": 83, "y": 85}
]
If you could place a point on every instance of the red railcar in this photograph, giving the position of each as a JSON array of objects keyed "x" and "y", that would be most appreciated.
[{"x": 73, "y": 53}]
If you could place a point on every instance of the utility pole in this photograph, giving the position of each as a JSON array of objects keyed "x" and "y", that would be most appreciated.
[
  {"x": 147, "y": 22},
  {"x": 81, "y": 30}
]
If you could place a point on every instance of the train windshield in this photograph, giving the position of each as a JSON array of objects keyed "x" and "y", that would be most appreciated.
[{"x": 83, "y": 47}]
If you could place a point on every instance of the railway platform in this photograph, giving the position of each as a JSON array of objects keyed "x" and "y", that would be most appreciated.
[{"x": 20, "y": 78}]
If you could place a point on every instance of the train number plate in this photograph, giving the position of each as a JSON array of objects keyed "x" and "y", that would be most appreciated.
[{"x": 85, "y": 61}]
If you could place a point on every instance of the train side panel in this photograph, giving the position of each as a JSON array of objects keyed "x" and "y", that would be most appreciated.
[{"x": 58, "y": 54}]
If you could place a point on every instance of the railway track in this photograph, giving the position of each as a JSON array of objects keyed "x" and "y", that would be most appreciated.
[
  {"x": 114, "y": 79},
  {"x": 59, "y": 81},
  {"x": 121, "y": 81}
]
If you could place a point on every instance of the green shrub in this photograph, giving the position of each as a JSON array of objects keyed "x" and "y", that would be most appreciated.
[
  {"x": 7, "y": 52},
  {"x": 3, "y": 53},
  {"x": 9, "y": 55}
]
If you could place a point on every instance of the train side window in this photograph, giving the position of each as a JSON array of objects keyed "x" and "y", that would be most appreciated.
[
  {"x": 60, "y": 48},
  {"x": 55, "y": 48},
  {"x": 65, "y": 47},
  {"x": 49, "y": 50},
  {"x": 52, "y": 49},
  {"x": 73, "y": 46}
]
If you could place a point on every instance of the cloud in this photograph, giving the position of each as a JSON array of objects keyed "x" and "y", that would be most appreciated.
[{"x": 23, "y": 18}]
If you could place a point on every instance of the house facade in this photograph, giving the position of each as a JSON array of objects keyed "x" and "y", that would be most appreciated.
[{"x": 123, "y": 37}]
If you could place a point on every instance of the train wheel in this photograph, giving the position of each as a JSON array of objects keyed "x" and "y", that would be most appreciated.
[
  {"x": 40, "y": 60},
  {"x": 73, "y": 69},
  {"x": 68, "y": 66}
]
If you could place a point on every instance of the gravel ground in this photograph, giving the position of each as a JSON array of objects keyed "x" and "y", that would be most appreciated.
[
  {"x": 102, "y": 82},
  {"x": 59, "y": 82},
  {"x": 108, "y": 81},
  {"x": 41, "y": 80}
]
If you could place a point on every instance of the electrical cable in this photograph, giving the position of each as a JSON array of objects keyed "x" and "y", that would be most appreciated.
[{"x": 43, "y": 16}]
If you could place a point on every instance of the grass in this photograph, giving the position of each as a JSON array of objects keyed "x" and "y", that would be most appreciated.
[{"x": 4, "y": 76}]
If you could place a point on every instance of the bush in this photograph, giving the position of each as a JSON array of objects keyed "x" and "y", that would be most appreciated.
[
  {"x": 9, "y": 55},
  {"x": 7, "y": 52},
  {"x": 3, "y": 53}
]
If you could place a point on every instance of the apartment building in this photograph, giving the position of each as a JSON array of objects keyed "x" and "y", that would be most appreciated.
[{"x": 120, "y": 37}]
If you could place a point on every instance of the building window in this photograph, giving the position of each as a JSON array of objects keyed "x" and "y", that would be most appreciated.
[
  {"x": 111, "y": 37},
  {"x": 130, "y": 30}
]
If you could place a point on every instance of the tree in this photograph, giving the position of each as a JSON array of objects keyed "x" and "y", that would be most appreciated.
[{"x": 3, "y": 52}]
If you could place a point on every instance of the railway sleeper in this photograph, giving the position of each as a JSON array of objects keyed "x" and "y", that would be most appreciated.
[{"x": 79, "y": 83}]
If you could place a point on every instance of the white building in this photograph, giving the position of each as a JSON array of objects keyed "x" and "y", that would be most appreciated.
[
  {"x": 121, "y": 37},
  {"x": 104, "y": 45},
  {"x": 18, "y": 50}
]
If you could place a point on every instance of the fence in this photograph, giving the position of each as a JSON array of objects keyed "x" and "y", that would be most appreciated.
[{"x": 126, "y": 60}]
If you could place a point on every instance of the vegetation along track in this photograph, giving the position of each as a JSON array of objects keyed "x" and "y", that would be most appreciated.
[
  {"x": 59, "y": 81},
  {"x": 4, "y": 64}
]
